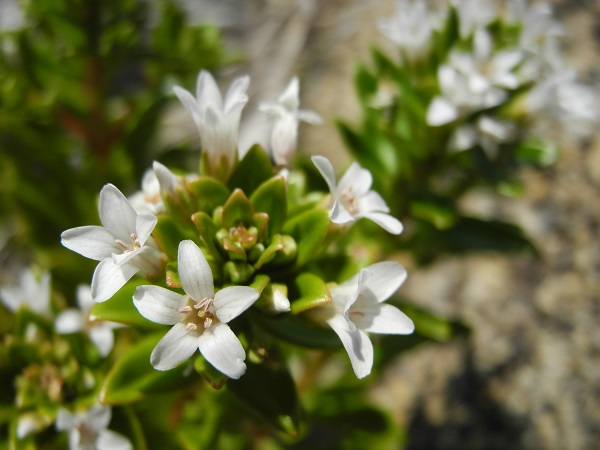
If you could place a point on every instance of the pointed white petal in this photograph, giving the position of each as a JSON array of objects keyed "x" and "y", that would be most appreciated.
[
  {"x": 234, "y": 300},
  {"x": 103, "y": 338},
  {"x": 109, "y": 278},
  {"x": 159, "y": 305},
  {"x": 144, "y": 224},
  {"x": 98, "y": 417},
  {"x": 372, "y": 202},
  {"x": 116, "y": 214},
  {"x": 221, "y": 347},
  {"x": 84, "y": 298},
  {"x": 289, "y": 97},
  {"x": 463, "y": 138},
  {"x": 311, "y": 117},
  {"x": 110, "y": 440},
  {"x": 65, "y": 420},
  {"x": 126, "y": 257},
  {"x": 441, "y": 112},
  {"x": 357, "y": 345},
  {"x": 326, "y": 169},
  {"x": 482, "y": 43},
  {"x": 236, "y": 94},
  {"x": 386, "y": 277},
  {"x": 385, "y": 221},
  {"x": 69, "y": 321},
  {"x": 91, "y": 241},
  {"x": 385, "y": 319},
  {"x": 194, "y": 272},
  {"x": 177, "y": 346},
  {"x": 207, "y": 92},
  {"x": 167, "y": 180},
  {"x": 356, "y": 179},
  {"x": 189, "y": 103}
]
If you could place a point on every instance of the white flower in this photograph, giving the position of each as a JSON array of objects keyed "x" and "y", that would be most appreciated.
[
  {"x": 471, "y": 82},
  {"x": 411, "y": 28},
  {"x": 155, "y": 182},
  {"x": 353, "y": 198},
  {"x": 357, "y": 308},
  {"x": 73, "y": 320},
  {"x": 217, "y": 120},
  {"x": 473, "y": 14},
  {"x": 287, "y": 115},
  {"x": 29, "y": 292},
  {"x": 118, "y": 245},
  {"x": 486, "y": 132},
  {"x": 88, "y": 430},
  {"x": 199, "y": 318}
]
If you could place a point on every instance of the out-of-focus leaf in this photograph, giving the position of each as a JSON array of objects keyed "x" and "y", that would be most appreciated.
[
  {"x": 253, "y": 170},
  {"x": 440, "y": 216},
  {"x": 537, "y": 151}
]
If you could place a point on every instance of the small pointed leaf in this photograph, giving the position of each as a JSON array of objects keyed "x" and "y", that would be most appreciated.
[
  {"x": 208, "y": 193},
  {"x": 270, "y": 197},
  {"x": 237, "y": 211},
  {"x": 313, "y": 293},
  {"x": 253, "y": 170}
]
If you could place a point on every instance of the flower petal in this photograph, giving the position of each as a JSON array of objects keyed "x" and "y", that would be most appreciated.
[
  {"x": 177, "y": 346},
  {"x": 167, "y": 180},
  {"x": 110, "y": 440},
  {"x": 98, "y": 417},
  {"x": 234, "y": 300},
  {"x": 385, "y": 221},
  {"x": 144, "y": 224},
  {"x": 126, "y": 257},
  {"x": 372, "y": 202},
  {"x": 221, "y": 347},
  {"x": 91, "y": 241},
  {"x": 236, "y": 95},
  {"x": 441, "y": 112},
  {"x": 103, "y": 338},
  {"x": 194, "y": 272},
  {"x": 116, "y": 214},
  {"x": 386, "y": 277},
  {"x": 69, "y": 321},
  {"x": 159, "y": 305},
  {"x": 386, "y": 319},
  {"x": 109, "y": 278},
  {"x": 356, "y": 343},
  {"x": 339, "y": 214},
  {"x": 189, "y": 103},
  {"x": 289, "y": 97},
  {"x": 65, "y": 420},
  {"x": 356, "y": 180},
  {"x": 326, "y": 169},
  {"x": 207, "y": 92},
  {"x": 84, "y": 298}
]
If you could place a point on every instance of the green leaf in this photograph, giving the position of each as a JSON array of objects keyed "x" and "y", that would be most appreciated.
[
  {"x": 120, "y": 308},
  {"x": 269, "y": 253},
  {"x": 208, "y": 231},
  {"x": 172, "y": 278},
  {"x": 260, "y": 282},
  {"x": 168, "y": 234},
  {"x": 537, "y": 151},
  {"x": 253, "y": 170},
  {"x": 298, "y": 331},
  {"x": 237, "y": 211},
  {"x": 309, "y": 229},
  {"x": 313, "y": 293},
  {"x": 132, "y": 376},
  {"x": 269, "y": 389},
  {"x": 208, "y": 193},
  {"x": 440, "y": 216},
  {"x": 270, "y": 197}
]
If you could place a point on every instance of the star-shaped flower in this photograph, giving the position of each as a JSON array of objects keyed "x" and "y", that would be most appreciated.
[
  {"x": 74, "y": 320},
  {"x": 199, "y": 318},
  {"x": 358, "y": 308},
  {"x": 352, "y": 198},
  {"x": 88, "y": 430},
  {"x": 30, "y": 292},
  {"x": 217, "y": 120},
  {"x": 119, "y": 245},
  {"x": 287, "y": 114}
]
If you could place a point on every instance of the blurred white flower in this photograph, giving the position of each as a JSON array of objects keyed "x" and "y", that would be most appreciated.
[
  {"x": 118, "y": 245},
  {"x": 88, "y": 430},
  {"x": 199, "y": 318},
  {"x": 411, "y": 28},
  {"x": 30, "y": 292},
  {"x": 487, "y": 132},
  {"x": 353, "y": 199},
  {"x": 357, "y": 308},
  {"x": 74, "y": 320},
  {"x": 286, "y": 117},
  {"x": 217, "y": 119},
  {"x": 473, "y": 14}
]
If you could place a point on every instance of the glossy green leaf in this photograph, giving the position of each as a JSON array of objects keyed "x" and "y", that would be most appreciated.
[
  {"x": 208, "y": 193},
  {"x": 168, "y": 234},
  {"x": 208, "y": 231},
  {"x": 120, "y": 308},
  {"x": 253, "y": 170},
  {"x": 277, "y": 244},
  {"x": 313, "y": 292},
  {"x": 172, "y": 278},
  {"x": 132, "y": 376},
  {"x": 309, "y": 230},
  {"x": 260, "y": 282},
  {"x": 237, "y": 211},
  {"x": 269, "y": 389},
  {"x": 271, "y": 198}
]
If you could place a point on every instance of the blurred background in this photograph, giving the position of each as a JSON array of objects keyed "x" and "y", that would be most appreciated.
[{"x": 528, "y": 374}]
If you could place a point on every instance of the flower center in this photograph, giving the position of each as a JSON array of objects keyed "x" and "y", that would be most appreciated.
[
  {"x": 87, "y": 435},
  {"x": 349, "y": 201},
  {"x": 135, "y": 244},
  {"x": 200, "y": 315}
]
